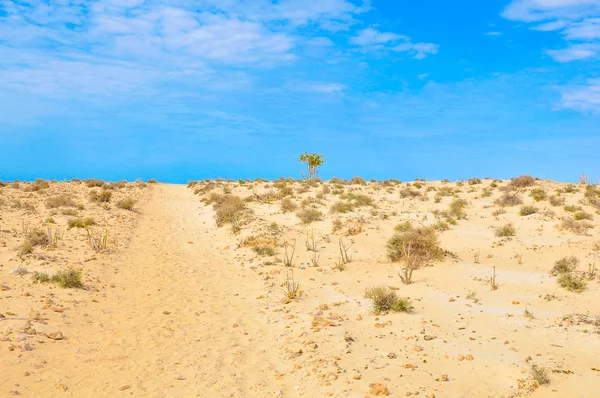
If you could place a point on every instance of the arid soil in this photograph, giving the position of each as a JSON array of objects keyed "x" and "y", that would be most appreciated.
[{"x": 184, "y": 290}]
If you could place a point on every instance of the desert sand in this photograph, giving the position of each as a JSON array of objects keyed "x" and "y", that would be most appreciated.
[{"x": 175, "y": 306}]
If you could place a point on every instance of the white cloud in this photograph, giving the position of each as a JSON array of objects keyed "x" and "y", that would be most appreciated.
[
  {"x": 576, "y": 20},
  {"x": 585, "y": 98},
  {"x": 372, "y": 39},
  {"x": 493, "y": 33}
]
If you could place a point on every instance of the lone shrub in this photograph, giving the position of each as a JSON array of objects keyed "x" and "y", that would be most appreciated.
[
  {"x": 538, "y": 194},
  {"x": 313, "y": 161},
  {"x": 60, "y": 201},
  {"x": 528, "y": 210},
  {"x": 68, "y": 279},
  {"x": 126, "y": 204},
  {"x": 457, "y": 208},
  {"x": 572, "y": 282},
  {"x": 81, "y": 222},
  {"x": 421, "y": 242},
  {"x": 577, "y": 227},
  {"x": 506, "y": 230},
  {"x": 522, "y": 181},
  {"x": 409, "y": 193},
  {"x": 103, "y": 196},
  {"x": 386, "y": 300},
  {"x": 229, "y": 209},
  {"x": 287, "y": 205},
  {"x": 40, "y": 277},
  {"x": 92, "y": 183},
  {"x": 264, "y": 250},
  {"x": 308, "y": 216},
  {"x": 556, "y": 200},
  {"x": 539, "y": 375},
  {"x": 582, "y": 215},
  {"x": 565, "y": 265},
  {"x": 509, "y": 199},
  {"x": 474, "y": 181}
]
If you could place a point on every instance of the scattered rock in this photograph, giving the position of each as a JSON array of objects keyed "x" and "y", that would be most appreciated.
[
  {"x": 123, "y": 388},
  {"x": 428, "y": 337},
  {"x": 378, "y": 389}
]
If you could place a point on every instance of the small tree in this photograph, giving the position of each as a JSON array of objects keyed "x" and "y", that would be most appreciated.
[{"x": 313, "y": 161}]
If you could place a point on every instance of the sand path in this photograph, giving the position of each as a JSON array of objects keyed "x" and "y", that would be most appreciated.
[{"x": 177, "y": 324}]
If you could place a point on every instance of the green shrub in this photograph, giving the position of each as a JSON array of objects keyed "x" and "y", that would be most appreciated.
[
  {"x": 538, "y": 194},
  {"x": 264, "y": 250},
  {"x": 571, "y": 282},
  {"x": 528, "y": 210},
  {"x": 572, "y": 208},
  {"x": 422, "y": 241},
  {"x": 506, "y": 230},
  {"x": 386, "y": 300},
  {"x": 40, "y": 277},
  {"x": 565, "y": 265},
  {"x": 80, "y": 222},
  {"x": 582, "y": 215},
  {"x": 68, "y": 279},
  {"x": 403, "y": 227},
  {"x": 457, "y": 208}
]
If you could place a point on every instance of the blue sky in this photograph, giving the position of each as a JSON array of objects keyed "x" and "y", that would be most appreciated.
[{"x": 186, "y": 89}]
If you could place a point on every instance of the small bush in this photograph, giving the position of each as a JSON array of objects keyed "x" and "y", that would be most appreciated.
[
  {"x": 571, "y": 282},
  {"x": 386, "y": 300},
  {"x": 229, "y": 209},
  {"x": 565, "y": 265},
  {"x": 409, "y": 193},
  {"x": 556, "y": 200},
  {"x": 522, "y": 181},
  {"x": 308, "y": 216},
  {"x": 69, "y": 212},
  {"x": 474, "y": 181},
  {"x": 457, "y": 208},
  {"x": 509, "y": 199},
  {"x": 577, "y": 227},
  {"x": 342, "y": 207},
  {"x": 528, "y": 210},
  {"x": 152, "y": 181},
  {"x": 287, "y": 205},
  {"x": 80, "y": 222},
  {"x": 40, "y": 277},
  {"x": 126, "y": 204},
  {"x": 403, "y": 227},
  {"x": 539, "y": 375},
  {"x": 92, "y": 183},
  {"x": 38, "y": 185},
  {"x": 538, "y": 194},
  {"x": 423, "y": 243},
  {"x": 264, "y": 250},
  {"x": 60, "y": 201},
  {"x": 506, "y": 230},
  {"x": 68, "y": 279},
  {"x": 358, "y": 181},
  {"x": 103, "y": 196},
  {"x": 582, "y": 215},
  {"x": 572, "y": 208}
]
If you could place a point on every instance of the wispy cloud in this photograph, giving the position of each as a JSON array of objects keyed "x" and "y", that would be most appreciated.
[
  {"x": 584, "y": 98},
  {"x": 370, "y": 39},
  {"x": 493, "y": 33},
  {"x": 578, "y": 21}
]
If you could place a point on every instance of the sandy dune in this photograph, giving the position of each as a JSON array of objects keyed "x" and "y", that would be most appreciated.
[{"x": 182, "y": 308}]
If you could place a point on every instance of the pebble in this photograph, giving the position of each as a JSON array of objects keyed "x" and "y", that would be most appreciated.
[{"x": 378, "y": 389}]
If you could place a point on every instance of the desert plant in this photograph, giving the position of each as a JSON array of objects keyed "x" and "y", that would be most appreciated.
[
  {"x": 577, "y": 227},
  {"x": 422, "y": 240},
  {"x": 264, "y": 250},
  {"x": 409, "y": 193},
  {"x": 81, "y": 222},
  {"x": 403, "y": 226},
  {"x": 288, "y": 261},
  {"x": 506, "y": 230},
  {"x": 60, "y": 201},
  {"x": 126, "y": 204},
  {"x": 565, "y": 265},
  {"x": 457, "y": 208},
  {"x": 474, "y": 181},
  {"x": 357, "y": 180},
  {"x": 582, "y": 215},
  {"x": 493, "y": 283},
  {"x": 308, "y": 216},
  {"x": 572, "y": 282},
  {"x": 311, "y": 243},
  {"x": 572, "y": 208},
  {"x": 103, "y": 196},
  {"x": 313, "y": 162},
  {"x": 69, "y": 278},
  {"x": 292, "y": 289},
  {"x": 386, "y": 300},
  {"x": 556, "y": 200},
  {"x": 528, "y": 210},
  {"x": 522, "y": 181},
  {"x": 509, "y": 199},
  {"x": 538, "y": 194},
  {"x": 539, "y": 375},
  {"x": 92, "y": 183},
  {"x": 152, "y": 181},
  {"x": 229, "y": 210},
  {"x": 345, "y": 258},
  {"x": 40, "y": 277},
  {"x": 98, "y": 242}
]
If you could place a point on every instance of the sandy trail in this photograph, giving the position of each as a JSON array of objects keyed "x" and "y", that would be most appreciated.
[{"x": 169, "y": 329}]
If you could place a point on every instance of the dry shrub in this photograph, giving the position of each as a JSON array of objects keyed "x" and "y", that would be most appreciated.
[
  {"x": 572, "y": 282},
  {"x": 68, "y": 279},
  {"x": 93, "y": 182},
  {"x": 509, "y": 199},
  {"x": 506, "y": 230},
  {"x": 287, "y": 205},
  {"x": 582, "y": 215},
  {"x": 522, "y": 181},
  {"x": 423, "y": 243},
  {"x": 152, "y": 181},
  {"x": 358, "y": 180},
  {"x": 474, "y": 181},
  {"x": 60, "y": 201},
  {"x": 538, "y": 194},
  {"x": 34, "y": 238},
  {"x": 38, "y": 185},
  {"x": 103, "y": 196},
  {"x": 565, "y": 265},
  {"x": 308, "y": 216},
  {"x": 335, "y": 180},
  {"x": 229, "y": 210},
  {"x": 81, "y": 222},
  {"x": 528, "y": 210},
  {"x": 577, "y": 227},
  {"x": 457, "y": 208},
  {"x": 386, "y": 300},
  {"x": 409, "y": 193},
  {"x": 126, "y": 204},
  {"x": 556, "y": 200}
]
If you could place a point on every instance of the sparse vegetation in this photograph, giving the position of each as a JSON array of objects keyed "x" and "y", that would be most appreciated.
[
  {"x": 572, "y": 282},
  {"x": 68, "y": 279},
  {"x": 509, "y": 199},
  {"x": 126, "y": 204},
  {"x": 102, "y": 196},
  {"x": 522, "y": 181},
  {"x": 506, "y": 230},
  {"x": 81, "y": 222},
  {"x": 386, "y": 300},
  {"x": 528, "y": 210},
  {"x": 565, "y": 265},
  {"x": 60, "y": 201},
  {"x": 264, "y": 250},
  {"x": 308, "y": 216}
]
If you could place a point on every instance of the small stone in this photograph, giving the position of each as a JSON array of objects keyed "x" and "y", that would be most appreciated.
[
  {"x": 180, "y": 378},
  {"x": 357, "y": 377},
  {"x": 444, "y": 378},
  {"x": 469, "y": 357},
  {"x": 392, "y": 355},
  {"x": 451, "y": 299},
  {"x": 235, "y": 325},
  {"x": 418, "y": 348},
  {"x": 428, "y": 337},
  {"x": 285, "y": 300},
  {"x": 123, "y": 388},
  {"x": 461, "y": 357},
  {"x": 323, "y": 307},
  {"x": 167, "y": 312},
  {"x": 516, "y": 302},
  {"x": 378, "y": 389}
]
